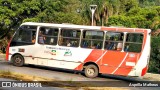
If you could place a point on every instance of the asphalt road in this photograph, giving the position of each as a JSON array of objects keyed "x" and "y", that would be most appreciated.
[
  {"x": 58, "y": 74},
  {"x": 69, "y": 75}
]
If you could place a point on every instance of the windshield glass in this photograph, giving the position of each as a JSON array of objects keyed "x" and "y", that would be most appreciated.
[{"x": 25, "y": 33}]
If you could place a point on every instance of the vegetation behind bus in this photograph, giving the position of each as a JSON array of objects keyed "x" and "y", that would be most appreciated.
[
  {"x": 154, "y": 65},
  {"x": 128, "y": 13}
]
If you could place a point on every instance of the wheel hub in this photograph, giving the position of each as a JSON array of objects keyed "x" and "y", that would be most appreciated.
[
  {"x": 18, "y": 60},
  {"x": 91, "y": 71}
]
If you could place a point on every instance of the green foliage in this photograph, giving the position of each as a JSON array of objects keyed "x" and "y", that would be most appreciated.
[
  {"x": 154, "y": 64},
  {"x": 126, "y": 5},
  {"x": 149, "y": 3},
  {"x": 120, "y": 21},
  {"x": 138, "y": 17},
  {"x": 14, "y": 12}
]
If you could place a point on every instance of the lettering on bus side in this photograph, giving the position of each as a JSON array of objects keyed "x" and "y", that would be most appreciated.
[{"x": 54, "y": 51}]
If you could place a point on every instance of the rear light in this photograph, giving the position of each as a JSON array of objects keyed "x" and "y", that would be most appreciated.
[{"x": 144, "y": 71}]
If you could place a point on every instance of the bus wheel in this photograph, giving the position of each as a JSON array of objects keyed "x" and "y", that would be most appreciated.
[
  {"x": 18, "y": 60},
  {"x": 91, "y": 71}
]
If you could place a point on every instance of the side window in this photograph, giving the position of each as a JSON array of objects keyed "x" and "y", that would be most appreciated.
[
  {"x": 48, "y": 36},
  {"x": 69, "y": 37},
  {"x": 92, "y": 39},
  {"x": 114, "y": 41},
  {"x": 133, "y": 42}
]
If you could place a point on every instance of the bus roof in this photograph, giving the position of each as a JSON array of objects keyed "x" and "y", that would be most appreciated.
[
  {"x": 62, "y": 25},
  {"x": 123, "y": 29}
]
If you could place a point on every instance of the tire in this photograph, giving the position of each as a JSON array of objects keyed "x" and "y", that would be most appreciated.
[
  {"x": 18, "y": 60},
  {"x": 91, "y": 71}
]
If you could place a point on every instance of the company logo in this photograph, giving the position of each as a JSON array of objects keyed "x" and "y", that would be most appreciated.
[
  {"x": 53, "y": 52},
  {"x": 6, "y": 84},
  {"x": 21, "y": 84},
  {"x": 68, "y": 53}
]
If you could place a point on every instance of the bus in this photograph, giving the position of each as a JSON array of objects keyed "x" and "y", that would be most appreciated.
[{"x": 91, "y": 49}]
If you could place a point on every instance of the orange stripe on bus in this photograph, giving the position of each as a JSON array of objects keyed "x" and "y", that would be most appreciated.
[
  {"x": 125, "y": 70},
  {"x": 92, "y": 57},
  {"x": 113, "y": 59}
]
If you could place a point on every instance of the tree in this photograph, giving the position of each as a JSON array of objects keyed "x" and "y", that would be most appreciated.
[
  {"x": 138, "y": 17},
  {"x": 154, "y": 65},
  {"x": 105, "y": 9},
  {"x": 14, "y": 12}
]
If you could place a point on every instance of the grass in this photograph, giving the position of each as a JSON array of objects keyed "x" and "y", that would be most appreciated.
[
  {"x": 2, "y": 55},
  {"x": 24, "y": 77},
  {"x": 68, "y": 84}
]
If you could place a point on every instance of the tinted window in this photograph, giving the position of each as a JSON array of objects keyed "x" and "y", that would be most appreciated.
[
  {"x": 24, "y": 36},
  {"x": 25, "y": 33},
  {"x": 133, "y": 42},
  {"x": 69, "y": 37},
  {"x": 114, "y": 41},
  {"x": 92, "y": 39},
  {"x": 48, "y": 36}
]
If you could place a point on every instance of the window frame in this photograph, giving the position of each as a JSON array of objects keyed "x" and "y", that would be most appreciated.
[
  {"x": 117, "y": 41},
  {"x": 82, "y": 38},
  {"x": 16, "y": 42},
  {"x": 50, "y": 36},
  {"x": 61, "y": 43},
  {"x": 21, "y": 28},
  {"x": 134, "y": 42}
]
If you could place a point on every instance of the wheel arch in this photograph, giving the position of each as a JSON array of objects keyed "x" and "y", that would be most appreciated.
[
  {"x": 89, "y": 63},
  {"x": 16, "y": 54}
]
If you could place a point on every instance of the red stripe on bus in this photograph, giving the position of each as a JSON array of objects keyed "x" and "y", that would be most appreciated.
[
  {"x": 125, "y": 69},
  {"x": 144, "y": 39},
  {"x": 112, "y": 59},
  {"x": 92, "y": 57},
  {"x": 118, "y": 29}
]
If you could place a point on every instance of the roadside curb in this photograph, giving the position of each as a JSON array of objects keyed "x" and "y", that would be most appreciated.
[{"x": 152, "y": 77}]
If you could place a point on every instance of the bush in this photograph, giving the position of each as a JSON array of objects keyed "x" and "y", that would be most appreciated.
[
  {"x": 154, "y": 64},
  {"x": 3, "y": 45}
]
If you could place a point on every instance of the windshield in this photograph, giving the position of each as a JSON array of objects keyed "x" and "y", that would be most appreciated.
[{"x": 24, "y": 35}]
